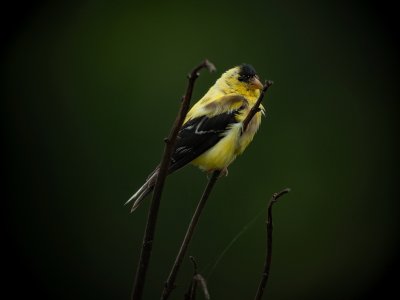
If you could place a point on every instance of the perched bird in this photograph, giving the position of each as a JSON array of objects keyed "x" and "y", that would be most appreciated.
[{"x": 212, "y": 134}]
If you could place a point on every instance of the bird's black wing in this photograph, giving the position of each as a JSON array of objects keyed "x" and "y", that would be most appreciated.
[{"x": 198, "y": 135}]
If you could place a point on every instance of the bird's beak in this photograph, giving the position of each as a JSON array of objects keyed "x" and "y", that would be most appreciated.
[{"x": 256, "y": 83}]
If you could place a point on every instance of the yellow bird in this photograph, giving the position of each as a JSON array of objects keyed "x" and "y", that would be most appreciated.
[{"x": 212, "y": 134}]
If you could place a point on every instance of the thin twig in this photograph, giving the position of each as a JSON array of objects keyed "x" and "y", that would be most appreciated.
[
  {"x": 170, "y": 283},
  {"x": 267, "y": 264},
  {"x": 256, "y": 108},
  {"x": 191, "y": 292},
  {"x": 197, "y": 278},
  {"x": 148, "y": 238},
  {"x": 200, "y": 279}
]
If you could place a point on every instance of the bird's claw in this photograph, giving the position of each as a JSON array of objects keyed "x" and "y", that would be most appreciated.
[{"x": 224, "y": 172}]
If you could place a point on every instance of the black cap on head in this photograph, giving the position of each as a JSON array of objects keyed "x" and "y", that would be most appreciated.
[{"x": 246, "y": 72}]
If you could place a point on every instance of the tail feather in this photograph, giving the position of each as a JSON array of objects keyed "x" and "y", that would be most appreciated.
[{"x": 143, "y": 191}]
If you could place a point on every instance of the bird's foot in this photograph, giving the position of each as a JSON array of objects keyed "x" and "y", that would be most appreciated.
[{"x": 224, "y": 172}]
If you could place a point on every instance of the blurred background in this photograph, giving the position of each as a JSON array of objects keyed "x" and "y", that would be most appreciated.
[{"x": 91, "y": 88}]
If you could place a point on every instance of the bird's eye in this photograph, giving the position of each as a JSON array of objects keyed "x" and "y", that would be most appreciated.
[{"x": 245, "y": 78}]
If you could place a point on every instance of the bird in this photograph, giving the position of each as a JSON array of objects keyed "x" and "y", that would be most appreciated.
[{"x": 212, "y": 134}]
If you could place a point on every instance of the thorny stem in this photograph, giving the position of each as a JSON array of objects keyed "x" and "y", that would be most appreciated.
[
  {"x": 138, "y": 286},
  {"x": 170, "y": 283},
  {"x": 268, "y": 257}
]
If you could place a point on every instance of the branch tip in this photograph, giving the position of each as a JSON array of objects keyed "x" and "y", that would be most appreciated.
[
  {"x": 205, "y": 64},
  {"x": 209, "y": 65},
  {"x": 194, "y": 264},
  {"x": 268, "y": 83},
  {"x": 276, "y": 196},
  {"x": 200, "y": 279},
  {"x": 268, "y": 256}
]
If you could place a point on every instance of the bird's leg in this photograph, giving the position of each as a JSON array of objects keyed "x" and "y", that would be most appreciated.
[{"x": 224, "y": 172}]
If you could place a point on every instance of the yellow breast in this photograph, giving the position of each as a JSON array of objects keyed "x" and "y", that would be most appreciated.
[
  {"x": 222, "y": 154},
  {"x": 229, "y": 147},
  {"x": 220, "y": 98}
]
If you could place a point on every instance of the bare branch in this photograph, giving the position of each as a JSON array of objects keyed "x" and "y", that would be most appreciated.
[
  {"x": 268, "y": 258},
  {"x": 191, "y": 292},
  {"x": 148, "y": 238},
  {"x": 170, "y": 283},
  {"x": 256, "y": 108},
  {"x": 197, "y": 278},
  {"x": 203, "y": 285},
  {"x": 194, "y": 265}
]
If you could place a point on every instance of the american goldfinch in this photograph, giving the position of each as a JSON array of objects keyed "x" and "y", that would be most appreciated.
[{"x": 211, "y": 136}]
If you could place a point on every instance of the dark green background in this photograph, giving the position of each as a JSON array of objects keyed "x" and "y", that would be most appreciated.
[{"x": 92, "y": 88}]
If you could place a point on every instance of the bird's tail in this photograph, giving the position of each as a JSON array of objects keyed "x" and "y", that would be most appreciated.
[{"x": 145, "y": 189}]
